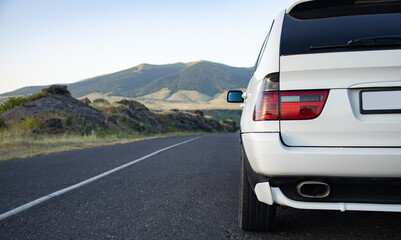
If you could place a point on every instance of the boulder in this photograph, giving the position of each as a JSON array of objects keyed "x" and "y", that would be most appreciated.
[
  {"x": 133, "y": 105},
  {"x": 85, "y": 100},
  {"x": 52, "y": 126},
  {"x": 101, "y": 100},
  {"x": 56, "y": 89}
]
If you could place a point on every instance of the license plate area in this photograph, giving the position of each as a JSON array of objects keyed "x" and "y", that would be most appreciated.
[{"x": 380, "y": 101}]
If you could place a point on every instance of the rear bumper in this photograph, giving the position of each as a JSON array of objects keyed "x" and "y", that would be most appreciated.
[
  {"x": 270, "y": 195},
  {"x": 268, "y": 156}
]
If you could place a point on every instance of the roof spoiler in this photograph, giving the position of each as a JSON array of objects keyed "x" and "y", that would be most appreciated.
[{"x": 312, "y": 9}]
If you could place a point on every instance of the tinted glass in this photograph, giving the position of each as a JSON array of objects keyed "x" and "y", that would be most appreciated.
[{"x": 299, "y": 35}]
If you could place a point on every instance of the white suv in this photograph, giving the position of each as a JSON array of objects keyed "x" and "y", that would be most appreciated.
[{"x": 321, "y": 120}]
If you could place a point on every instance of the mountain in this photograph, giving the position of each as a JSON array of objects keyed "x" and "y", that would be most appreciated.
[
  {"x": 126, "y": 83},
  {"x": 174, "y": 82}
]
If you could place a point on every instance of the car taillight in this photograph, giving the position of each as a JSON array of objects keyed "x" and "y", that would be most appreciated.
[
  {"x": 267, "y": 107},
  {"x": 302, "y": 104},
  {"x": 287, "y": 105}
]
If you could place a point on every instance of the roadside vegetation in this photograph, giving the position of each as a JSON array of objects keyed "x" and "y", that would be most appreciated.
[
  {"x": 18, "y": 141},
  {"x": 51, "y": 121}
]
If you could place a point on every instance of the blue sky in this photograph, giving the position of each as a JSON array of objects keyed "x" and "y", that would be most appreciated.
[{"x": 62, "y": 41}]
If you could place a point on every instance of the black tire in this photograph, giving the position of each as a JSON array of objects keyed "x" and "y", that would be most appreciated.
[{"x": 252, "y": 214}]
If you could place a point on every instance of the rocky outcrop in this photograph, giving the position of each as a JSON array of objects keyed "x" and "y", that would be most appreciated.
[
  {"x": 133, "y": 115},
  {"x": 54, "y": 104},
  {"x": 229, "y": 125},
  {"x": 188, "y": 122},
  {"x": 58, "y": 111}
]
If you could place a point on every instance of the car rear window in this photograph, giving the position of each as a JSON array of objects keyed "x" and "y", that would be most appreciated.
[{"x": 307, "y": 26}]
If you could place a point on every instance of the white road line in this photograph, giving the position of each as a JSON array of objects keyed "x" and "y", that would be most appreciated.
[{"x": 59, "y": 192}]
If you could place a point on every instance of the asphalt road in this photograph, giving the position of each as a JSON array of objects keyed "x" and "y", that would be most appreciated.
[{"x": 185, "y": 192}]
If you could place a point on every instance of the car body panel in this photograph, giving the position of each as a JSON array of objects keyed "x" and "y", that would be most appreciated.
[
  {"x": 270, "y": 195},
  {"x": 268, "y": 156},
  {"x": 339, "y": 70}
]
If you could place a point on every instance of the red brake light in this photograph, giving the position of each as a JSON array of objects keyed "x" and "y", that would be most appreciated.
[
  {"x": 298, "y": 105},
  {"x": 291, "y": 105},
  {"x": 267, "y": 107}
]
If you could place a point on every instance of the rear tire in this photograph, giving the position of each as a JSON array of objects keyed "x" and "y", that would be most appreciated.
[{"x": 252, "y": 214}]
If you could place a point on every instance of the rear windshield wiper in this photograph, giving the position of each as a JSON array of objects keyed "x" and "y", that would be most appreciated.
[{"x": 381, "y": 41}]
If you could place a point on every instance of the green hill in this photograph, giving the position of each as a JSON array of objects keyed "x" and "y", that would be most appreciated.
[
  {"x": 124, "y": 83},
  {"x": 205, "y": 77}
]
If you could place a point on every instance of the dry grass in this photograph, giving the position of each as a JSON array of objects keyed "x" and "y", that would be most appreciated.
[
  {"x": 218, "y": 102},
  {"x": 15, "y": 144}
]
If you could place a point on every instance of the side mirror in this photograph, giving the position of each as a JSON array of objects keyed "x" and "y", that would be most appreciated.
[{"x": 235, "y": 96}]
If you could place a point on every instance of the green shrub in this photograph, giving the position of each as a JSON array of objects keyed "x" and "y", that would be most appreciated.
[
  {"x": 224, "y": 121},
  {"x": 88, "y": 128},
  {"x": 12, "y": 102},
  {"x": 2, "y": 124},
  {"x": 30, "y": 123},
  {"x": 44, "y": 92},
  {"x": 69, "y": 120},
  {"x": 37, "y": 95},
  {"x": 199, "y": 113}
]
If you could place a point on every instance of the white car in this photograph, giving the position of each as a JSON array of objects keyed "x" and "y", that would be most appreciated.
[{"x": 321, "y": 119}]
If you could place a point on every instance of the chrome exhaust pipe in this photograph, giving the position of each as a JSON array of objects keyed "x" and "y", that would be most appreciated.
[{"x": 313, "y": 189}]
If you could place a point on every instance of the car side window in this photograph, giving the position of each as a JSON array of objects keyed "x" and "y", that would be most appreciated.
[{"x": 262, "y": 50}]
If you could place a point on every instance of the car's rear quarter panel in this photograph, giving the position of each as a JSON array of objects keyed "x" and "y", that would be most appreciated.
[{"x": 269, "y": 63}]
